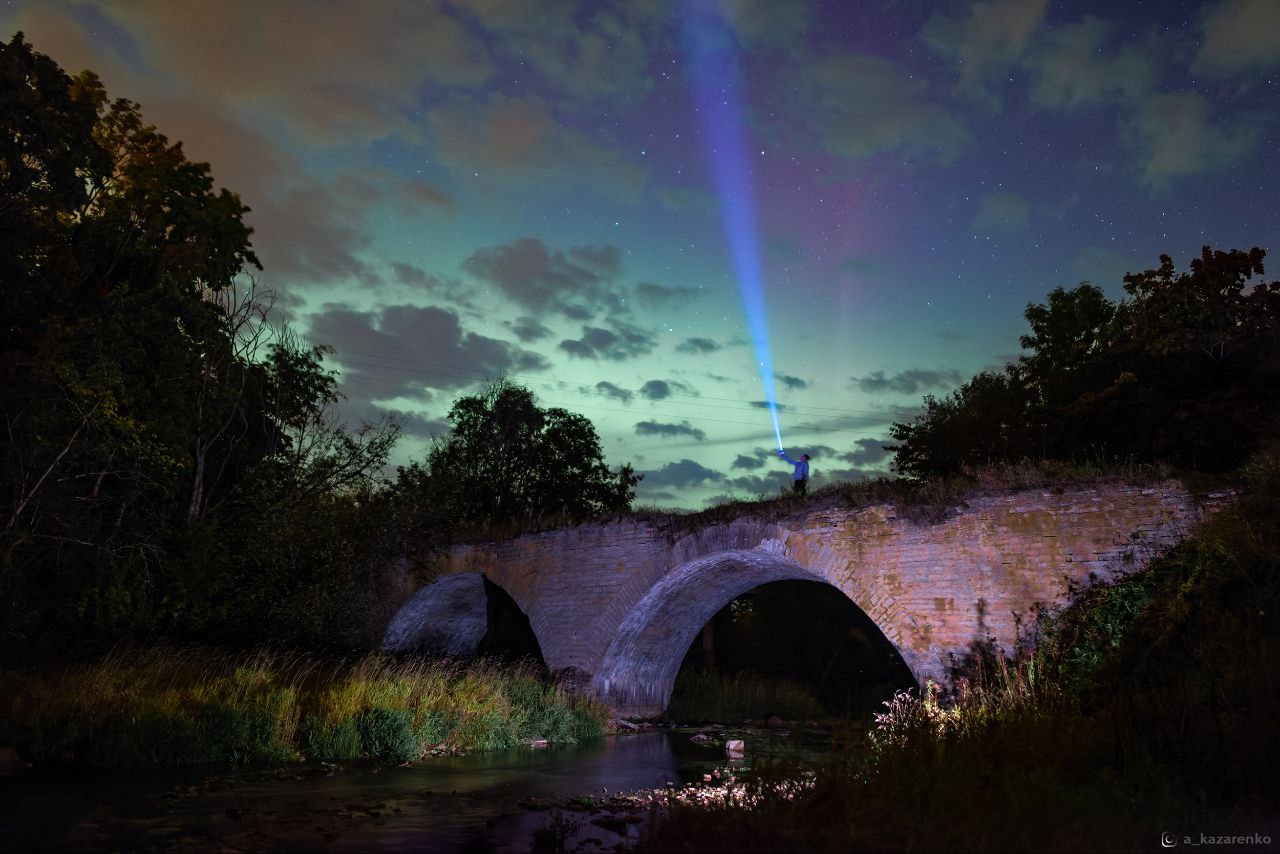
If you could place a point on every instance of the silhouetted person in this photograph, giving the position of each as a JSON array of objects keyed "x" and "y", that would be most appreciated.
[{"x": 801, "y": 477}]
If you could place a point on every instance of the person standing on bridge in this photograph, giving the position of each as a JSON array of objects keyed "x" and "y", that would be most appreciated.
[{"x": 800, "y": 482}]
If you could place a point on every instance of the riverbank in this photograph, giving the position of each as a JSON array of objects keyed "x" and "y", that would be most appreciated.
[
  {"x": 189, "y": 706},
  {"x": 1149, "y": 706}
]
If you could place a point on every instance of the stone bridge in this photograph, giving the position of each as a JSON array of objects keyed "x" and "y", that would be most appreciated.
[{"x": 617, "y": 605}]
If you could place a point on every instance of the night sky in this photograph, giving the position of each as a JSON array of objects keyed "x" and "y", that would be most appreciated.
[{"x": 446, "y": 191}]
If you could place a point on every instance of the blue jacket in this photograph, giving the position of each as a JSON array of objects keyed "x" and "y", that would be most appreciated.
[{"x": 802, "y": 466}]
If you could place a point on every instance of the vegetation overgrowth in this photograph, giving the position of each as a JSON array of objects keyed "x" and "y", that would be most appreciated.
[
  {"x": 709, "y": 695},
  {"x": 188, "y": 706},
  {"x": 1148, "y": 705}
]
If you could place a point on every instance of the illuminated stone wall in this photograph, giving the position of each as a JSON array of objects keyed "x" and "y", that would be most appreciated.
[{"x": 620, "y": 603}]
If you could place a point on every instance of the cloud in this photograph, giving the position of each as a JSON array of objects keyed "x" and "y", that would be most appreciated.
[
  {"x": 656, "y": 428},
  {"x": 270, "y": 57},
  {"x": 662, "y": 389},
  {"x": 697, "y": 346},
  {"x": 909, "y": 381},
  {"x": 529, "y": 329},
  {"x": 618, "y": 344},
  {"x": 518, "y": 141},
  {"x": 579, "y": 53},
  {"x": 742, "y": 461},
  {"x": 403, "y": 352},
  {"x": 866, "y": 452},
  {"x": 985, "y": 41},
  {"x": 1073, "y": 66},
  {"x": 651, "y": 295},
  {"x": 423, "y": 347},
  {"x": 543, "y": 279},
  {"x": 791, "y": 383},
  {"x": 1173, "y": 136},
  {"x": 859, "y": 106},
  {"x": 1001, "y": 212},
  {"x": 608, "y": 389},
  {"x": 684, "y": 473},
  {"x": 1239, "y": 36}
]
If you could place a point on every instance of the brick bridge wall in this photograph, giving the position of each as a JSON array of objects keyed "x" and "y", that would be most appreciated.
[{"x": 620, "y": 603}]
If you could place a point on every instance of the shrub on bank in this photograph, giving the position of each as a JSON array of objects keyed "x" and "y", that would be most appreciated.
[{"x": 171, "y": 706}]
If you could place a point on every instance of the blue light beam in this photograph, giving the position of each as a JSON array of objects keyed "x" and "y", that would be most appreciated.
[{"x": 717, "y": 85}]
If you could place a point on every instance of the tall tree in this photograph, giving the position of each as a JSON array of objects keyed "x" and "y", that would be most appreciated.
[{"x": 506, "y": 458}]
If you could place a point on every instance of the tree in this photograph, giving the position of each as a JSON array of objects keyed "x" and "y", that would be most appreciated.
[
  {"x": 508, "y": 459},
  {"x": 1186, "y": 370}
]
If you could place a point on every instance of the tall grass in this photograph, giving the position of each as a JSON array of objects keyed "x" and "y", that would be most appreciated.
[
  {"x": 183, "y": 706},
  {"x": 713, "y": 696},
  {"x": 1149, "y": 705}
]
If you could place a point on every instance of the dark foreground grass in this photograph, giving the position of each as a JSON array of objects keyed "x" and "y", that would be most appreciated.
[
  {"x": 1151, "y": 705},
  {"x": 177, "y": 706},
  {"x": 708, "y": 695}
]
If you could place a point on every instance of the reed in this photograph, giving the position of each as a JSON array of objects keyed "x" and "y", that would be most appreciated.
[{"x": 186, "y": 706}]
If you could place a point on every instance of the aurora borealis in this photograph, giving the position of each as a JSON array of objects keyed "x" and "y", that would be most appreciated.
[{"x": 445, "y": 192}]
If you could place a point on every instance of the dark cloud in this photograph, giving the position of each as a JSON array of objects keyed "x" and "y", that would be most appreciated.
[
  {"x": 662, "y": 389},
  {"x": 759, "y": 484},
  {"x": 909, "y": 381},
  {"x": 684, "y": 473},
  {"x": 529, "y": 329},
  {"x": 622, "y": 342},
  {"x": 792, "y": 383},
  {"x": 697, "y": 345},
  {"x": 764, "y": 404},
  {"x": 544, "y": 279},
  {"x": 574, "y": 347},
  {"x": 608, "y": 389},
  {"x": 651, "y": 295},
  {"x": 657, "y": 428},
  {"x": 742, "y": 461},
  {"x": 866, "y": 452},
  {"x": 415, "y": 348}
]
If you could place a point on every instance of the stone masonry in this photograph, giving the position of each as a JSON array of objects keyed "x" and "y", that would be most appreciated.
[{"x": 620, "y": 603}]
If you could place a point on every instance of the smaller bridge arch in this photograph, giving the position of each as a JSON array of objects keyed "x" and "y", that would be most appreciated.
[
  {"x": 638, "y": 670},
  {"x": 461, "y": 615}
]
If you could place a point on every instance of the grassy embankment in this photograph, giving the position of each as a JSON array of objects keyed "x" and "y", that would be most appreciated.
[
  {"x": 1149, "y": 705},
  {"x": 171, "y": 706}
]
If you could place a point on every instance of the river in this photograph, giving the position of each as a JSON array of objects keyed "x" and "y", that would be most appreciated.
[{"x": 509, "y": 801}]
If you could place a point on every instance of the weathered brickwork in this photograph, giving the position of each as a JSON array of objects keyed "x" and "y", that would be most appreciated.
[{"x": 621, "y": 602}]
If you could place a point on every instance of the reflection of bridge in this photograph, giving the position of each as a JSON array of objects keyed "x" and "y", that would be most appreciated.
[{"x": 617, "y": 605}]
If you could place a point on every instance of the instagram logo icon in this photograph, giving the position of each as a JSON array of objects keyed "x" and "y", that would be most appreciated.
[{"x": 1168, "y": 840}]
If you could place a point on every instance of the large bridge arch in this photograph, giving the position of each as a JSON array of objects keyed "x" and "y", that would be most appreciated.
[{"x": 639, "y": 668}]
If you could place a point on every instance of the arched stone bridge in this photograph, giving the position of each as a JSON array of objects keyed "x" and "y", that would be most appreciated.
[{"x": 618, "y": 604}]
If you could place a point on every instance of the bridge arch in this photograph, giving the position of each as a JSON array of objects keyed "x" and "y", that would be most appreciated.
[
  {"x": 638, "y": 671},
  {"x": 461, "y": 615}
]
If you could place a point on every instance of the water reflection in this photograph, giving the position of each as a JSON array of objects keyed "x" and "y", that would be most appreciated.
[{"x": 446, "y": 804}]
